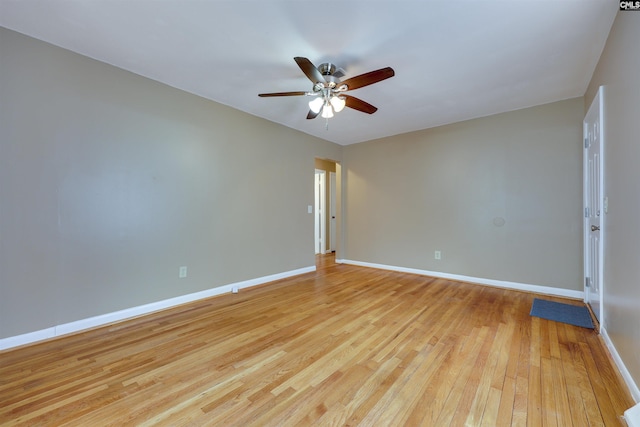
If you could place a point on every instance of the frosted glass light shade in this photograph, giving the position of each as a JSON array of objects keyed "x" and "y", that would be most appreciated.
[
  {"x": 316, "y": 104},
  {"x": 337, "y": 103},
  {"x": 327, "y": 111}
]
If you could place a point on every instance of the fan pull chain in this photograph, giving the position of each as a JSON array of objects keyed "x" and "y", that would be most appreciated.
[{"x": 326, "y": 126}]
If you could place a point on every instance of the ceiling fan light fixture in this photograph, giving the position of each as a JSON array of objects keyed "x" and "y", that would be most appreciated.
[
  {"x": 328, "y": 90},
  {"x": 327, "y": 111},
  {"x": 338, "y": 103},
  {"x": 315, "y": 105}
]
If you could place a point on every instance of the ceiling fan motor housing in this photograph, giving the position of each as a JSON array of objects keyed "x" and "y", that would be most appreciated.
[{"x": 329, "y": 69}]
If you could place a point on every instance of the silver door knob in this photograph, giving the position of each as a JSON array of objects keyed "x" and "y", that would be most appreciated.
[{"x": 595, "y": 228}]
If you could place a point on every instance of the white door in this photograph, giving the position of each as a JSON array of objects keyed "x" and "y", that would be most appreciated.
[
  {"x": 319, "y": 217},
  {"x": 332, "y": 211},
  {"x": 594, "y": 206}
]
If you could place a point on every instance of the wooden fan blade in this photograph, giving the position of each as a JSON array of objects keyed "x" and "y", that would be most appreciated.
[
  {"x": 312, "y": 115},
  {"x": 368, "y": 78},
  {"x": 282, "y": 94},
  {"x": 359, "y": 104},
  {"x": 309, "y": 70}
]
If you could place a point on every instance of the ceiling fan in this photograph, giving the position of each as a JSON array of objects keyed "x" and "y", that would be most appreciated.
[{"x": 329, "y": 92}]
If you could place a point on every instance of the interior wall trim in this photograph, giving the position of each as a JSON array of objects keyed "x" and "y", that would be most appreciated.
[
  {"x": 477, "y": 280},
  {"x": 632, "y": 416},
  {"x": 128, "y": 313},
  {"x": 626, "y": 375}
]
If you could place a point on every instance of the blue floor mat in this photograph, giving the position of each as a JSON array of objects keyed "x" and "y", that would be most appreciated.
[{"x": 560, "y": 312}]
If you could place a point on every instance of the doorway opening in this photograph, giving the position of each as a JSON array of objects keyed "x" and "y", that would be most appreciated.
[
  {"x": 326, "y": 199},
  {"x": 319, "y": 218}
]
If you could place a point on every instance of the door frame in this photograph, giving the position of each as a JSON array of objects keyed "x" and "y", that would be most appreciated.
[
  {"x": 332, "y": 212},
  {"x": 320, "y": 219},
  {"x": 595, "y": 110}
]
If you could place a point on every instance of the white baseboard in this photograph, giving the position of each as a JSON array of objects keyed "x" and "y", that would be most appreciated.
[
  {"x": 128, "y": 313},
  {"x": 626, "y": 375},
  {"x": 632, "y": 416},
  {"x": 491, "y": 282}
]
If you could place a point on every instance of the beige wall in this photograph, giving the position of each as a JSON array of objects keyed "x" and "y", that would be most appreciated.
[
  {"x": 442, "y": 189},
  {"x": 327, "y": 166},
  {"x": 109, "y": 182},
  {"x": 618, "y": 71}
]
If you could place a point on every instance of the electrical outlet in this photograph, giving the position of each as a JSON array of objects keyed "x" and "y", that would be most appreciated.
[
  {"x": 183, "y": 272},
  {"x": 437, "y": 255}
]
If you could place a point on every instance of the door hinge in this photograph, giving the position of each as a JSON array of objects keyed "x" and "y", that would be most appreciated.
[
  {"x": 587, "y": 282},
  {"x": 586, "y": 212},
  {"x": 586, "y": 142}
]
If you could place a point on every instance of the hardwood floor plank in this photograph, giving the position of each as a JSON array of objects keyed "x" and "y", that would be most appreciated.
[
  {"x": 548, "y": 401},
  {"x": 507, "y": 405},
  {"x": 473, "y": 347},
  {"x": 429, "y": 403},
  {"x": 344, "y": 345},
  {"x": 372, "y": 390},
  {"x": 490, "y": 414},
  {"x": 520, "y": 416},
  {"x": 563, "y": 413},
  {"x": 492, "y": 377},
  {"x": 400, "y": 400},
  {"x": 600, "y": 383},
  {"x": 587, "y": 395}
]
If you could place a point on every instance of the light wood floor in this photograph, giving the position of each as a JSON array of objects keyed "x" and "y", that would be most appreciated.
[{"x": 343, "y": 346}]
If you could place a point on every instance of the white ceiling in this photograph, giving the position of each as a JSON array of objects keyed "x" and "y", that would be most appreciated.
[{"x": 454, "y": 60}]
